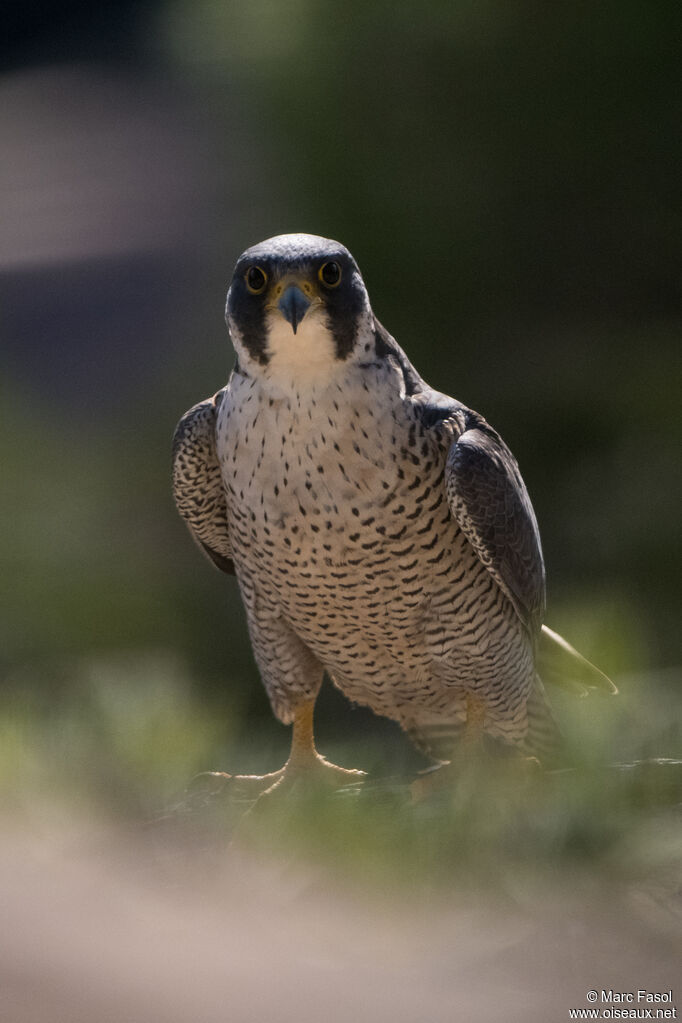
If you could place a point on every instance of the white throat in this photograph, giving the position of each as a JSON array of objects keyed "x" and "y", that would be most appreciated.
[{"x": 304, "y": 361}]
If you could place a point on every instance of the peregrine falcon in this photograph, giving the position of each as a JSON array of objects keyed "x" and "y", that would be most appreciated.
[{"x": 379, "y": 530}]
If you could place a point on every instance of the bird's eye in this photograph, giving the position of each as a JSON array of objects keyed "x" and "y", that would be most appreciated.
[
  {"x": 256, "y": 280},
  {"x": 330, "y": 274}
]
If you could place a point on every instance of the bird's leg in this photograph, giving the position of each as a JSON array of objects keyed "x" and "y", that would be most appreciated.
[
  {"x": 473, "y": 730},
  {"x": 468, "y": 750},
  {"x": 304, "y": 764}
]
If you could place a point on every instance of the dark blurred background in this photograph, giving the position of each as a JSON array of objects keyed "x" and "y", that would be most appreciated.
[{"x": 507, "y": 176}]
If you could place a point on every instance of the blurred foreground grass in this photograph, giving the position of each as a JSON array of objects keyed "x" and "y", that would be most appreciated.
[
  {"x": 125, "y": 739},
  {"x": 126, "y": 896}
]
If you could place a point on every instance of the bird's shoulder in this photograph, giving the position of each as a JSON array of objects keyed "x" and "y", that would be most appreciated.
[
  {"x": 197, "y": 481},
  {"x": 432, "y": 409},
  {"x": 485, "y": 489},
  {"x": 196, "y": 427}
]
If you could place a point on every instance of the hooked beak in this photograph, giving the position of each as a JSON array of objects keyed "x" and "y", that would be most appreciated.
[{"x": 293, "y": 305}]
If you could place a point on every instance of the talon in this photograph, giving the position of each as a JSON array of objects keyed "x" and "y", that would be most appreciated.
[{"x": 305, "y": 765}]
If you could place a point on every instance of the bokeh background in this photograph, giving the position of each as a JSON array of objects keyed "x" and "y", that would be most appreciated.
[{"x": 508, "y": 177}]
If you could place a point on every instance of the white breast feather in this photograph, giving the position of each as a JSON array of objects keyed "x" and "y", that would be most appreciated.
[{"x": 304, "y": 360}]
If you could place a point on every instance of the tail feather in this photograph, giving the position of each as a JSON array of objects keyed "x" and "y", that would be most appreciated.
[{"x": 563, "y": 665}]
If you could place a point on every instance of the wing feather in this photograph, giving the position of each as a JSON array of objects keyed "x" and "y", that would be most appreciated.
[
  {"x": 486, "y": 492},
  {"x": 197, "y": 482},
  {"x": 491, "y": 504}
]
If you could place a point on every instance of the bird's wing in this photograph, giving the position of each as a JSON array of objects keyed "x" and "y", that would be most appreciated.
[
  {"x": 197, "y": 481},
  {"x": 490, "y": 502},
  {"x": 486, "y": 493}
]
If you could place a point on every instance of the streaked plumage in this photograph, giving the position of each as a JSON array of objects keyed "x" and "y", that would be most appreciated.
[{"x": 378, "y": 529}]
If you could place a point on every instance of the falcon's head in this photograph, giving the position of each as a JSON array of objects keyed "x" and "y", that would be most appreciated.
[{"x": 297, "y": 309}]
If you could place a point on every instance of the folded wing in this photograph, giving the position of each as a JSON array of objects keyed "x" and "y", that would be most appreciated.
[
  {"x": 490, "y": 502},
  {"x": 197, "y": 482}
]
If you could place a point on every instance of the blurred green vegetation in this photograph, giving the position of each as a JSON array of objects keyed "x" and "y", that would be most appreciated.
[
  {"x": 127, "y": 735},
  {"x": 507, "y": 177}
]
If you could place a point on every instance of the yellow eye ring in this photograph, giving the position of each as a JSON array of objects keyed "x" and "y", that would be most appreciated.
[
  {"x": 329, "y": 274},
  {"x": 256, "y": 280}
]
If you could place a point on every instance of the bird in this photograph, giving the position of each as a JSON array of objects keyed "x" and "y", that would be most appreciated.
[{"x": 379, "y": 530}]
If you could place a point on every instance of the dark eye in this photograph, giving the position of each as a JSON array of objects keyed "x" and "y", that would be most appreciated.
[
  {"x": 330, "y": 274},
  {"x": 256, "y": 280}
]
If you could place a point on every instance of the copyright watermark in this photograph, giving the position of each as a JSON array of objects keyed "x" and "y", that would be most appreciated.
[{"x": 640, "y": 1004}]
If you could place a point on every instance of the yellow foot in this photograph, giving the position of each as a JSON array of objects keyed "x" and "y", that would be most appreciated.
[
  {"x": 317, "y": 771},
  {"x": 240, "y": 787},
  {"x": 301, "y": 777},
  {"x": 465, "y": 768},
  {"x": 433, "y": 780},
  {"x": 310, "y": 773},
  {"x": 304, "y": 768}
]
